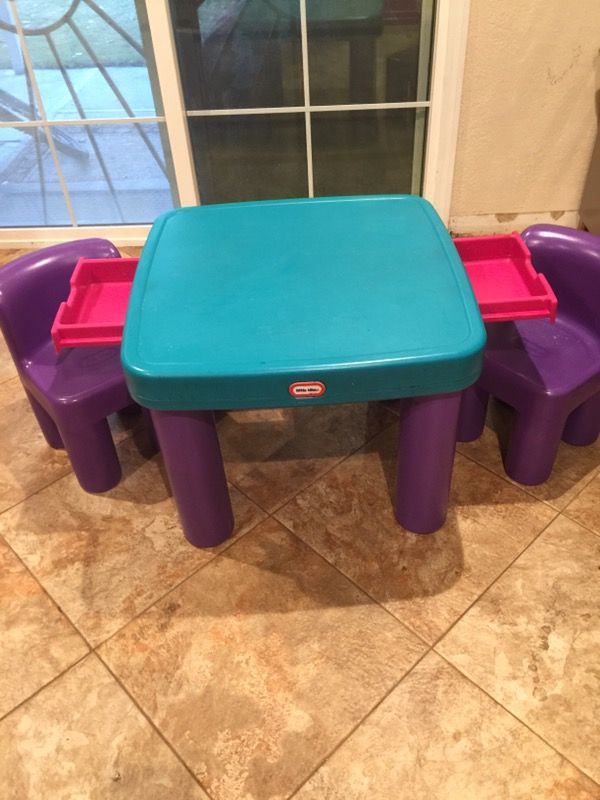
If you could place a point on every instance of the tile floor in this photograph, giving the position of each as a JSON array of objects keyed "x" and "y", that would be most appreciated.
[{"x": 323, "y": 653}]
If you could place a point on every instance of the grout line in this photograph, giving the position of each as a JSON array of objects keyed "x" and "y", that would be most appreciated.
[
  {"x": 151, "y": 722},
  {"x": 10, "y": 378},
  {"x": 431, "y": 649},
  {"x": 515, "y": 717},
  {"x": 595, "y": 474},
  {"x": 233, "y": 540},
  {"x": 45, "y": 685},
  {"x": 45, "y": 591},
  {"x": 93, "y": 647},
  {"x": 129, "y": 434},
  {"x": 403, "y": 622},
  {"x": 577, "y": 522},
  {"x": 357, "y": 586},
  {"x": 334, "y": 466},
  {"x": 247, "y": 496},
  {"x": 503, "y": 476},
  {"x": 374, "y": 599},
  {"x": 345, "y": 738},
  {"x": 496, "y": 579},
  {"x": 523, "y": 486},
  {"x": 38, "y": 491}
]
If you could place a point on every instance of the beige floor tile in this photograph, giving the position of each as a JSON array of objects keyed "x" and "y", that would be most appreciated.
[
  {"x": 7, "y": 368},
  {"x": 38, "y": 642},
  {"x": 586, "y": 506},
  {"x": 82, "y": 737},
  {"x": 533, "y": 641},
  {"x": 573, "y": 469},
  {"x": 124, "y": 423},
  {"x": 104, "y": 558},
  {"x": 27, "y": 464},
  {"x": 130, "y": 252},
  {"x": 260, "y": 663},
  {"x": 427, "y": 581},
  {"x": 272, "y": 454},
  {"x": 10, "y": 255},
  {"x": 438, "y": 736}
]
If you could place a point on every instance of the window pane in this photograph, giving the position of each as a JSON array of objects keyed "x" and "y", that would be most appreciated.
[
  {"x": 30, "y": 193},
  {"x": 91, "y": 59},
  {"x": 364, "y": 152},
  {"x": 97, "y": 50},
  {"x": 16, "y": 98},
  {"x": 252, "y": 157},
  {"x": 119, "y": 175},
  {"x": 239, "y": 53},
  {"x": 365, "y": 51}
]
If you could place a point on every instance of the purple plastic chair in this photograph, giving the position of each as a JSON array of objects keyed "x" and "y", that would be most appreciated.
[
  {"x": 73, "y": 392},
  {"x": 549, "y": 374}
]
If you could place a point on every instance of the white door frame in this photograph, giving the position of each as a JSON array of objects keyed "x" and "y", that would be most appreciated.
[
  {"x": 448, "y": 58},
  {"x": 448, "y": 66}
]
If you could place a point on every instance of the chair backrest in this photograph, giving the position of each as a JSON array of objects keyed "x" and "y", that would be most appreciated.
[
  {"x": 570, "y": 260},
  {"x": 32, "y": 288}
]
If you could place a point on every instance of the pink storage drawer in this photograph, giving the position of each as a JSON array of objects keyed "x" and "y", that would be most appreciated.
[
  {"x": 94, "y": 313},
  {"x": 506, "y": 286},
  {"x": 504, "y": 281}
]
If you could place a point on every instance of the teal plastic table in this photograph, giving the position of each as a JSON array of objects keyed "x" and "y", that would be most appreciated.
[{"x": 301, "y": 302}]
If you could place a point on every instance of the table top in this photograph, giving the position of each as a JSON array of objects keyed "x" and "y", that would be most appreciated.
[{"x": 307, "y": 301}]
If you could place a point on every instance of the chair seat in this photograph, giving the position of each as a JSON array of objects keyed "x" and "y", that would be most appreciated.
[
  {"x": 90, "y": 378},
  {"x": 553, "y": 360}
]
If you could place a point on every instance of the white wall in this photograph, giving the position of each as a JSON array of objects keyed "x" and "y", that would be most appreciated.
[{"x": 528, "y": 118}]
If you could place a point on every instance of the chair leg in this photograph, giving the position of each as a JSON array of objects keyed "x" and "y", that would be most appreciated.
[
  {"x": 532, "y": 447},
  {"x": 46, "y": 423},
  {"x": 93, "y": 455},
  {"x": 473, "y": 408},
  {"x": 583, "y": 424}
]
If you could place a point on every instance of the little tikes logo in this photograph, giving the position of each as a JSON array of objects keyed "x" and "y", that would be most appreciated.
[{"x": 304, "y": 389}]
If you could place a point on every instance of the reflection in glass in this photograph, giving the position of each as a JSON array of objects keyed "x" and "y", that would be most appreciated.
[
  {"x": 30, "y": 194},
  {"x": 253, "y": 157},
  {"x": 364, "y": 152},
  {"x": 365, "y": 51},
  {"x": 239, "y": 53}
]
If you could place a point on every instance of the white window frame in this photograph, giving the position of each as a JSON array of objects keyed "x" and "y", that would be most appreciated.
[{"x": 447, "y": 69}]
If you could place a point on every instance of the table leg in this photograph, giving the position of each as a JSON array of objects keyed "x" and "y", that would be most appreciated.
[
  {"x": 190, "y": 447},
  {"x": 425, "y": 457}
]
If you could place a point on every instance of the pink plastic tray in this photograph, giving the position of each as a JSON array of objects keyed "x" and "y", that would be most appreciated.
[
  {"x": 94, "y": 313},
  {"x": 506, "y": 285},
  {"x": 499, "y": 268}
]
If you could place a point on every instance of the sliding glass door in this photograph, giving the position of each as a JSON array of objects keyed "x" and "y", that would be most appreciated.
[
  {"x": 112, "y": 111},
  {"x": 288, "y": 98}
]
